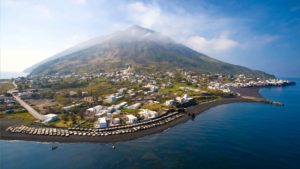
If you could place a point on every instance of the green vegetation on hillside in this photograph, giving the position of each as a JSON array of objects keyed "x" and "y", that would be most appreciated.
[{"x": 151, "y": 51}]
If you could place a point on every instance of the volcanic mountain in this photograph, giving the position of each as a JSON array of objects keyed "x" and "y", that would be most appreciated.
[{"x": 139, "y": 47}]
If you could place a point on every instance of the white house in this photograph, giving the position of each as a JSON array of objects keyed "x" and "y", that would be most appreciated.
[
  {"x": 98, "y": 108},
  {"x": 170, "y": 102},
  {"x": 95, "y": 109},
  {"x": 135, "y": 106},
  {"x": 25, "y": 95},
  {"x": 111, "y": 98},
  {"x": 90, "y": 110},
  {"x": 122, "y": 90},
  {"x": 117, "y": 112},
  {"x": 131, "y": 118},
  {"x": 72, "y": 94},
  {"x": 111, "y": 109},
  {"x": 50, "y": 118},
  {"x": 109, "y": 115},
  {"x": 227, "y": 90},
  {"x": 115, "y": 121},
  {"x": 102, "y": 122},
  {"x": 120, "y": 106},
  {"x": 148, "y": 114},
  {"x": 101, "y": 112},
  {"x": 151, "y": 87},
  {"x": 184, "y": 99},
  {"x": 68, "y": 108},
  {"x": 84, "y": 93}
]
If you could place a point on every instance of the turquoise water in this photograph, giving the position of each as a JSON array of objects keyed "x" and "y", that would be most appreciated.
[{"x": 233, "y": 136}]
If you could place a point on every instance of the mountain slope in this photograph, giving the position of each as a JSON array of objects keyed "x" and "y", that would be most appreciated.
[{"x": 139, "y": 47}]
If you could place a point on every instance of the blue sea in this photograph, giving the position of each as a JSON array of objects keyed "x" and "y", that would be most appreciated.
[
  {"x": 233, "y": 136},
  {"x": 9, "y": 75}
]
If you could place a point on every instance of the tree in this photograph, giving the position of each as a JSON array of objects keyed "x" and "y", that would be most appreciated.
[
  {"x": 20, "y": 87},
  {"x": 79, "y": 93},
  {"x": 81, "y": 114},
  {"x": 65, "y": 117},
  {"x": 73, "y": 118}
]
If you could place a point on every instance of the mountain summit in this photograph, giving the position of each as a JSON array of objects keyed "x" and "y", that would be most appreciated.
[
  {"x": 137, "y": 33},
  {"x": 137, "y": 46}
]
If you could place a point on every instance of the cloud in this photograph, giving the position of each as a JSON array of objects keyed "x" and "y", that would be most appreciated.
[
  {"x": 259, "y": 41},
  {"x": 266, "y": 38},
  {"x": 138, "y": 6},
  {"x": 12, "y": 2},
  {"x": 146, "y": 15},
  {"x": 81, "y": 2},
  {"x": 186, "y": 27},
  {"x": 25, "y": 55},
  {"x": 214, "y": 45},
  {"x": 202, "y": 27},
  {"x": 205, "y": 31},
  {"x": 43, "y": 10},
  {"x": 74, "y": 40}
]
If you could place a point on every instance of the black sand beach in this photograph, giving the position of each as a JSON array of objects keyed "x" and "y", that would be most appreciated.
[{"x": 196, "y": 110}]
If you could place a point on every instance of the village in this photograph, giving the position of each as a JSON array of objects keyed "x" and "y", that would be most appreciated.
[{"x": 119, "y": 99}]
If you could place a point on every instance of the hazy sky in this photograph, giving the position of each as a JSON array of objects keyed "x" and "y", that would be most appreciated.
[{"x": 260, "y": 35}]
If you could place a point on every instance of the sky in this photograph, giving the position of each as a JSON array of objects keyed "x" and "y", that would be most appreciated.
[{"x": 262, "y": 35}]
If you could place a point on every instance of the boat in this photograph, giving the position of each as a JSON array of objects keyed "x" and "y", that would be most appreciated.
[{"x": 54, "y": 147}]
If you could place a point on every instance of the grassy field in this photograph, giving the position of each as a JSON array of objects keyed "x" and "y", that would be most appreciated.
[
  {"x": 87, "y": 124},
  {"x": 175, "y": 89},
  {"x": 22, "y": 116},
  {"x": 68, "y": 122},
  {"x": 155, "y": 107},
  {"x": 4, "y": 86},
  {"x": 25, "y": 116},
  {"x": 61, "y": 123}
]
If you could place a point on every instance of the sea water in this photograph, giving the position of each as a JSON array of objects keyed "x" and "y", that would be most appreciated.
[
  {"x": 233, "y": 136},
  {"x": 9, "y": 75}
]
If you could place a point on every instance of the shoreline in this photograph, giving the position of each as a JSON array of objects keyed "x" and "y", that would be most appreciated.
[{"x": 195, "y": 110}]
